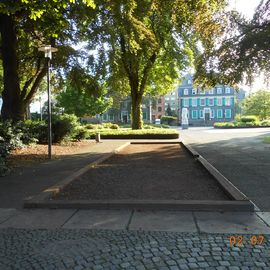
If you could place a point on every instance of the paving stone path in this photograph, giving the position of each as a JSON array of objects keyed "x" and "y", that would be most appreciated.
[{"x": 105, "y": 249}]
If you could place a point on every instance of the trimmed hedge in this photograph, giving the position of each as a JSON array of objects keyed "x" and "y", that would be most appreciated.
[
  {"x": 168, "y": 120},
  {"x": 249, "y": 119},
  {"x": 136, "y": 134}
]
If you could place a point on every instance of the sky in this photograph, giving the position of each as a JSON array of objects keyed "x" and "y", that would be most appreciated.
[{"x": 247, "y": 8}]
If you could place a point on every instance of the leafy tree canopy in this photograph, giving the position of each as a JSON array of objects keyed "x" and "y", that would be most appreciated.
[
  {"x": 25, "y": 26},
  {"x": 258, "y": 104},
  {"x": 141, "y": 46},
  {"x": 87, "y": 98},
  {"x": 242, "y": 53}
]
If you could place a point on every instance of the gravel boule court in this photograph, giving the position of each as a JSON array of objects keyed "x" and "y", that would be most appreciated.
[{"x": 146, "y": 172}]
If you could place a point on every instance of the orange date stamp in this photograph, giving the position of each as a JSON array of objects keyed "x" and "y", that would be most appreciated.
[{"x": 240, "y": 240}]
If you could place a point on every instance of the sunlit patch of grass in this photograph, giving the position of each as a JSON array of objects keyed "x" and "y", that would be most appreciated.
[{"x": 266, "y": 140}]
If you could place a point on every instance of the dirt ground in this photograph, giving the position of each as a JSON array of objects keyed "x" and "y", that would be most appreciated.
[
  {"x": 38, "y": 153},
  {"x": 146, "y": 171}
]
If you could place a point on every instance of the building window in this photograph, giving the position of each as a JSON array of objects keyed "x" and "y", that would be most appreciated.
[
  {"x": 111, "y": 117},
  {"x": 189, "y": 81},
  {"x": 159, "y": 100},
  {"x": 227, "y": 90},
  {"x": 194, "y": 91},
  {"x": 211, "y": 91},
  {"x": 212, "y": 113},
  {"x": 159, "y": 109},
  {"x": 201, "y": 91},
  {"x": 105, "y": 116},
  {"x": 185, "y": 92},
  {"x": 228, "y": 113},
  {"x": 219, "y": 113},
  {"x": 167, "y": 98},
  {"x": 194, "y": 102},
  {"x": 194, "y": 114},
  {"x": 201, "y": 113},
  {"x": 202, "y": 101},
  {"x": 219, "y": 90},
  {"x": 228, "y": 101},
  {"x": 211, "y": 102},
  {"x": 186, "y": 102},
  {"x": 219, "y": 101}
]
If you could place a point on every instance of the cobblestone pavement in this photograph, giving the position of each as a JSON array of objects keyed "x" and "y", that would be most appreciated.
[{"x": 106, "y": 249}]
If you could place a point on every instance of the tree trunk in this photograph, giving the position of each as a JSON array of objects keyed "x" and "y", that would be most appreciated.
[
  {"x": 13, "y": 105},
  {"x": 136, "y": 111}
]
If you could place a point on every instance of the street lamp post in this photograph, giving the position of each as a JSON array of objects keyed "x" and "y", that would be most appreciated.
[{"x": 48, "y": 50}]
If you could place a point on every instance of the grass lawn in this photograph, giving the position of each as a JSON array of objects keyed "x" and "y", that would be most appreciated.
[{"x": 266, "y": 140}]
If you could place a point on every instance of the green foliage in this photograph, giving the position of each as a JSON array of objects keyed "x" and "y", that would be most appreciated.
[
  {"x": 169, "y": 120},
  {"x": 10, "y": 138},
  {"x": 64, "y": 127},
  {"x": 147, "y": 43},
  {"x": 258, "y": 104},
  {"x": 81, "y": 133},
  {"x": 242, "y": 53},
  {"x": 110, "y": 126},
  {"x": 266, "y": 140},
  {"x": 84, "y": 96},
  {"x": 249, "y": 119}
]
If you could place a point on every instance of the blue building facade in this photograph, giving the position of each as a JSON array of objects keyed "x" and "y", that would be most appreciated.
[{"x": 205, "y": 107}]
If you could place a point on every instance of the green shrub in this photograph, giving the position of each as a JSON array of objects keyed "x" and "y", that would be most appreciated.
[
  {"x": 81, "y": 133},
  {"x": 224, "y": 124},
  {"x": 249, "y": 119},
  {"x": 64, "y": 127},
  {"x": 265, "y": 123},
  {"x": 169, "y": 120},
  {"x": 157, "y": 133},
  {"x": 10, "y": 138}
]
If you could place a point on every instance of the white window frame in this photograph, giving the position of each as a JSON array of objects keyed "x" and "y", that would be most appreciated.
[
  {"x": 186, "y": 102},
  {"x": 186, "y": 92},
  {"x": 194, "y": 102},
  {"x": 227, "y": 101},
  {"x": 189, "y": 81},
  {"x": 221, "y": 113},
  {"x": 219, "y": 90},
  {"x": 211, "y": 91},
  {"x": 203, "y": 99},
  {"x": 196, "y": 114},
  {"x": 228, "y": 110},
  {"x": 227, "y": 90},
  {"x": 212, "y": 103},
  {"x": 219, "y": 101},
  {"x": 194, "y": 91}
]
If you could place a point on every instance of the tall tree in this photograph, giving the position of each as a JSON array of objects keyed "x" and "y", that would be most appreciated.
[
  {"x": 258, "y": 104},
  {"x": 242, "y": 53},
  {"x": 24, "y": 26},
  {"x": 142, "y": 45},
  {"x": 86, "y": 98}
]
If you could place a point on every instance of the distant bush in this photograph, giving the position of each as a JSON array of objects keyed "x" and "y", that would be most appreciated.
[
  {"x": 249, "y": 119},
  {"x": 10, "y": 138},
  {"x": 64, "y": 127},
  {"x": 81, "y": 133},
  {"x": 168, "y": 120},
  {"x": 157, "y": 133}
]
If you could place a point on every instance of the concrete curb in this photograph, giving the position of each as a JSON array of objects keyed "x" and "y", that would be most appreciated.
[
  {"x": 180, "y": 205},
  {"x": 239, "y": 201},
  {"x": 47, "y": 193}
]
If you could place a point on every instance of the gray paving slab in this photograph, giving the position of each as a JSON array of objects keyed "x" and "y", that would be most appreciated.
[
  {"x": 38, "y": 219},
  {"x": 173, "y": 221},
  {"x": 99, "y": 219},
  {"x": 230, "y": 222},
  {"x": 6, "y": 213},
  {"x": 265, "y": 216}
]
